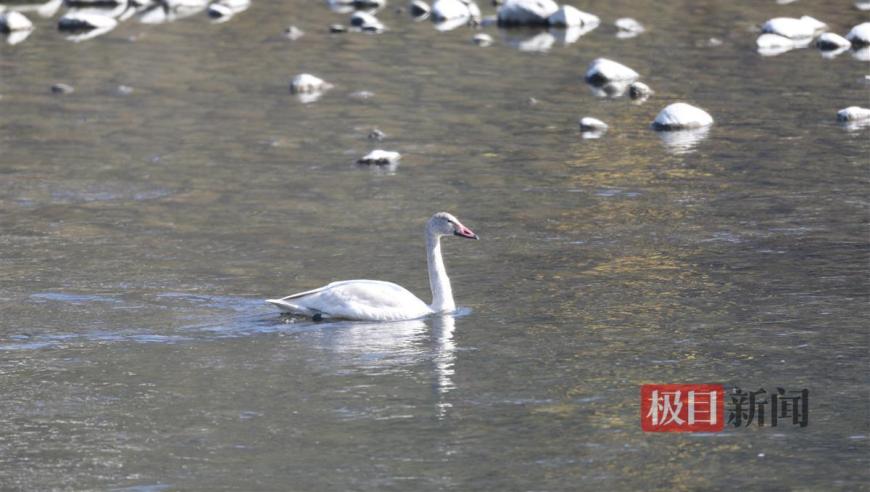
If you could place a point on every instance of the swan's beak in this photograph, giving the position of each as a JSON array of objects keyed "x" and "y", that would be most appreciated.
[{"x": 465, "y": 232}]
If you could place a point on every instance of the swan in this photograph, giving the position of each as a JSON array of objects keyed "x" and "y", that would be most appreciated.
[{"x": 375, "y": 300}]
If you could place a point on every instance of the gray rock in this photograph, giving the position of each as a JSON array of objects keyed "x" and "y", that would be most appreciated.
[
  {"x": 61, "y": 88},
  {"x": 376, "y": 134},
  {"x": 601, "y": 71},
  {"x": 293, "y": 33}
]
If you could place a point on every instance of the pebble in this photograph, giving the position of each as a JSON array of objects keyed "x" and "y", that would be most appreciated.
[
  {"x": 380, "y": 157},
  {"x": 306, "y": 83},
  {"x": 125, "y": 90},
  {"x": 639, "y": 91},
  {"x": 628, "y": 27},
  {"x": 219, "y": 10},
  {"x": 14, "y": 21},
  {"x": 526, "y": 12},
  {"x": 602, "y": 71},
  {"x": 860, "y": 34},
  {"x": 831, "y": 41},
  {"x": 376, "y": 134},
  {"x": 482, "y": 39},
  {"x": 337, "y": 28},
  {"x": 568, "y": 16},
  {"x": 853, "y": 113},
  {"x": 679, "y": 116},
  {"x": 61, "y": 88}
]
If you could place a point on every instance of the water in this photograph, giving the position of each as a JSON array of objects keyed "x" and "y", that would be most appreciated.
[{"x": 141, "y": 231}]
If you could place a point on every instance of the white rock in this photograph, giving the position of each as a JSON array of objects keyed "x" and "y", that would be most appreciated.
[
  {"x": 679, "y": 116},
  {"x": 419, "y": 9},
  {"x": 74, "y": 21},
  {"x": 628, "y": 24},
  {"x": 305, "y": 83},
  {"x": 219, "y": 10},
  {"x": 526, "y": 12},
  {"x": 789, "y": 27},
  {"x": 853, "y": 113},
  {"x": 366, "y": 22},
  {"x": 831, "y": 41},
  {"x": 639, "y": 90},
  {"x": 293, "y": 33},
  {"x": 602, "y": 71},
  {"x": 14, "y": 21},
  {"x": 568, "y": 16},
  {"x": 588, "y": 124},
  {"x": 860, "y": 34},
  {"x": 482, "y": 39},
  {"x": 444, "y": 10},
  {"x": 380, "y": 157}
]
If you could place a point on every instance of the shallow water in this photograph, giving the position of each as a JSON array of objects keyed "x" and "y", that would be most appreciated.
[{"x": 141, "y": 231}]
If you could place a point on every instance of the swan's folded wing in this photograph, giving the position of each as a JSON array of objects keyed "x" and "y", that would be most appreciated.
[{"x": 361, "y": 299}]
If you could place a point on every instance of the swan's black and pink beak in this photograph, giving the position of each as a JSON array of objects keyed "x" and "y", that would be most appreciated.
[{"x": 465, "y": 232}]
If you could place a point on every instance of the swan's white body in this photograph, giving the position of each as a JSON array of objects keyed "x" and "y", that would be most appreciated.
[{"x": 375, "y": 300}]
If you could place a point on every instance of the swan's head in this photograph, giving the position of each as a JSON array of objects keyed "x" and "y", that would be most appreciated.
[{"x": 444, "y": 224}]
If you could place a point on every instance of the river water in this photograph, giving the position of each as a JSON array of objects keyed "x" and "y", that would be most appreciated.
[{"x": 140, "y": 232}]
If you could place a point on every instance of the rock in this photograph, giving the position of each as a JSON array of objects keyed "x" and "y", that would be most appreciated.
[
  {"x": 639, "y": 90},
  {"x": 337, "y": 28},
  {"x": 860, "y": 34},
  {"x": 831, "y": 41},
  {"x": 362, "y": 95},
  {"x": 602, "y": 71},
  {"x": 376, "y": 134},
  {"x": 862, "y": 4},
  {"x": 589, "y": 124},
  {"x": 293, "y": 33},
  {"x": 568, "y": 16},
  {"x": 680, "y": 116},
  {"x": 380, "y": 157},
  {"x": 61, "y": 88},
  {"x": 125, "y": 90},
  {"x": 366, "y": 22},
  {"x": 444, "y": 10},
  {"x": 307, "y": 83},
  {"x": 482, "y": 39},
  {"x": 853, "y": 113},
  {"x": 420, "y": 10},
  {"x": 628, "y": 24},
  {"x": 80, "y": 21},
  {"x": 526, "y": 12},
  {"x": 12, "y": 21},
  {"x": 219, "y": 10},
  {"x": 789, "y": 27}
]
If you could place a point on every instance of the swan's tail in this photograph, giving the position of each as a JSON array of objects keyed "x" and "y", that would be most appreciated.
[{"x": 289, "y": 307}]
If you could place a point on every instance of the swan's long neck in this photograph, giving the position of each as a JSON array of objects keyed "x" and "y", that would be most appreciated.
[{"x": 442, "y": 294}]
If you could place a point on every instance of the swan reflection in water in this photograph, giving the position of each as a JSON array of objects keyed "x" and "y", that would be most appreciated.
[{"x": 378, "y": 348}]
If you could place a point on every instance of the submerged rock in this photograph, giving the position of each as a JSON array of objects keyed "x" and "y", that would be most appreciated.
[
  {"x": 789, "y": 27},
  {"x": 293, "y": 33},
  {"x": 82, "y": 21},
  {"x": 61, "y": 88},
  {"x": 860, "y": 34},
  {"x": 680, "y": 116},
  {"x": 482, "y": 39},
  {"x": 307, "y": 83},
  {"x": 366, "y": 22},
  {"x": 601, "y": 71},
  {"x": 853, "y": 113},
  {"x": 568, "y": 16},
  {"x": 639, "y": 91},
  {"x": 380, "y": 157},
  {"x": 526, "y": 12},
  {"x": 12, "y": 21},
  {"x": 831, "y": 41}
]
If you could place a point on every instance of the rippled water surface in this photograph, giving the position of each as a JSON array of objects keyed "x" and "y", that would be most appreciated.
[{"x": 141, "y": 230}]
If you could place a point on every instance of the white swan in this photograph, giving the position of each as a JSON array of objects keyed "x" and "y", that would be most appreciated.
[{"x": 374, "y": 300}]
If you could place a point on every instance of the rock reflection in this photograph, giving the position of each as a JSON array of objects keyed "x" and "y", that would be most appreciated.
[
  {"x": 537, "y": 42},
  {"x": 680, "y": 142}
]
